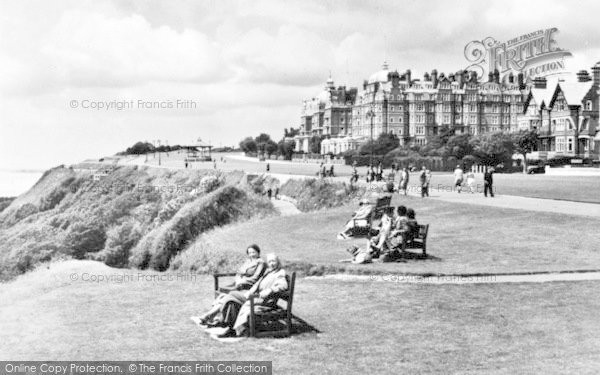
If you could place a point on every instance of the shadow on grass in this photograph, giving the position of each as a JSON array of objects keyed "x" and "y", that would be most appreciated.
[
  {"x": 405, "y": 256},
  {"x": 299, "y": 326}
]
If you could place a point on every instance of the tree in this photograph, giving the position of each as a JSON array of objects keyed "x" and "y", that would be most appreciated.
[
  {"x": 140, "y": 148},
  {"x": 525, "y": 141},
  {"x": 458, "y": 146},
  {"x": 314, "y": 144},
  {"x": 494, "y": 148},
  {"x": 248, "y": 145},
  {"x": 286, "y": 149},
  {"x": 385, "y": 143},
  {"x": 262, "y": 138},
  {"x": 270, "y": 147}
]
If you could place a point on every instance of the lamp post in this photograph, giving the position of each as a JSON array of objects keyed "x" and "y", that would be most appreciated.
[{"x": 371, "y": 114}]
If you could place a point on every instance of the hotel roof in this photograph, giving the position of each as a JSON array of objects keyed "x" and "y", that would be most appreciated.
[{"x": 575, "y": 92}]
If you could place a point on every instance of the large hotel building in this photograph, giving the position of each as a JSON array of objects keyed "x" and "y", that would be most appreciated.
[{"x": 564, "y": 114}]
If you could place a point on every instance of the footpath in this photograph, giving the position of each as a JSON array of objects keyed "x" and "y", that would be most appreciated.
[
  {"x": 440, "y": 192},
  {"x": 467, "y": 279}
]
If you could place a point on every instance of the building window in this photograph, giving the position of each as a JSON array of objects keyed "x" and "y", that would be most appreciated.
[
  {"x": 588, "y": 105},
  {"x": 570, "y": 144},
  {"x": 560, "y": 144},
  {"x": 391, "y": 119},
  {"x": 420, "y": 107}
]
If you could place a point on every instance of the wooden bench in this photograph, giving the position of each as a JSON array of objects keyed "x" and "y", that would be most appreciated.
[
  {"x": 220, "y": 290},
  {"x": 419, "y": 241},
  {"x": 381, "y": 204},
  {"x": 280, "y": 315}
]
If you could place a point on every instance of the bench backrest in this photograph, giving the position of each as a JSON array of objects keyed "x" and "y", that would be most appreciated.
[
  {"x": 423, "y": 229},
  {"x": 288, "y": 295},
  {"x": 382, "y": 203}
]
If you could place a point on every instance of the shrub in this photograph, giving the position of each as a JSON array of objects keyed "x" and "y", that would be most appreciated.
[
  {"x": 220, "y": 207},
  {"x": 84, "y": 237},
  {"x": 204, "y": 258},
  {"x": 53, "y": 199},
  {"x": 119, "y": 240},
  {"x": 312, "y": 194},
  {"x": 209, "y": 183}
]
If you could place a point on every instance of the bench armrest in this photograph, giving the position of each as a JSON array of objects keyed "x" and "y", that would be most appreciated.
[
  {"x": 224, "y": 274},
  {"x": 217, "y": 275}
]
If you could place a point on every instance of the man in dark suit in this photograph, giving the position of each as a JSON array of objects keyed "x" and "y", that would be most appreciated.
[{"x": 488, "y": 182}]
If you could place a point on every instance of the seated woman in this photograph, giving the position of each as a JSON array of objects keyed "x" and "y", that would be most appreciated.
[
  {"x": 267, "y": 289},
  {"x": 361, "y": 216},
  {"x": 412, "y": 227},
  {"x": 378, "y": 243},
  {"x": 247, "y": 275},
  {"x": 406, "y": 227}
]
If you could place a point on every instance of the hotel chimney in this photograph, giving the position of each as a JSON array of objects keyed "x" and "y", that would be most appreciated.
[
  {"x": 539, "y": 82},
  {"x": 520, "y": 81},
  {"x": 434, "y": 77},
  {"x": 583, "y": 76},
  {"x": 596, "y": 74}
]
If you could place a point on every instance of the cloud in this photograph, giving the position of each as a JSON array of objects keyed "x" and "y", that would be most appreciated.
[
  {"x": 292, "y": 56},
  {"x": 94, "y": 50}
]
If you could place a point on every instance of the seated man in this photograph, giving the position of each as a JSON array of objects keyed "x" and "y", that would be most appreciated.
[
  {"x": 267, "y": 288},
  {"x": 360, "y": 219}
]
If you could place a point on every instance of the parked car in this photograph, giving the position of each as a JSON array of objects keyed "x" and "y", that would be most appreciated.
[{"x": 536, "y": 169}]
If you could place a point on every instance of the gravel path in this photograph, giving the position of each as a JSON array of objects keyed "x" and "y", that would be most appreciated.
[{"x": 466, "y": 279}]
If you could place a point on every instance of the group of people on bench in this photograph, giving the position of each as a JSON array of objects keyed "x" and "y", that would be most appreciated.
[
  {"x": 231, "y": 308},
  {"x": 396, "y": 226}
]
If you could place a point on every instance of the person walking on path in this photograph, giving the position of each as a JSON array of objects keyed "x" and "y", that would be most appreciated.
[
  {"x": 427, "y": 181},
  {"x": 379, "y": 172},
  {"x": 488, "y": 182},
  {"x": 268, "y": 167},
  {"x": 471, "y": 181},
  {"x": 458, "y": 178},
  {"x": 354, "y": 177},
  {"x": 404, "y": 181},
  {"x": 423, "y": 181}
]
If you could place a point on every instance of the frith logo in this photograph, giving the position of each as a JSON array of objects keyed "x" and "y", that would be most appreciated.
[{"x": 535, "y": 55}]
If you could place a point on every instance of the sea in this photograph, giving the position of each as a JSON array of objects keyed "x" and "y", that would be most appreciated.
[{"x": 16, "y": 182}]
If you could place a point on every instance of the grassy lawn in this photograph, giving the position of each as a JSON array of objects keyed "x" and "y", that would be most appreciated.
[
  {"x": 462, "y": 239},
  {"x": 575, "y": 188},
  {"x": 366, "y": 327}
]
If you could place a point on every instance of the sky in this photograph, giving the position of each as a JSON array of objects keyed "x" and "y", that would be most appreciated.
[{"x": 237, "y": 68}]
